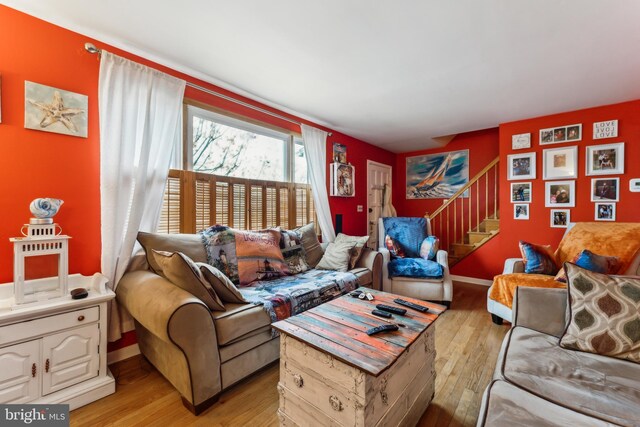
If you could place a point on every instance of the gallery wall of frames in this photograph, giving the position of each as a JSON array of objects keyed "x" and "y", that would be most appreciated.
[{"x": 569, "y": 167}]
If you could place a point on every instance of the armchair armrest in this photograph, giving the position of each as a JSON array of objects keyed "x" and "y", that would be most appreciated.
[
  {"x": 513, "y": 265},
  {"x": 386, "y": 257},
  {"x": 541, "y": 309},
  {"x": 373, "y": 261},
  {"x": 180, "y": 322},
  {"x": 442, "y": 258}
]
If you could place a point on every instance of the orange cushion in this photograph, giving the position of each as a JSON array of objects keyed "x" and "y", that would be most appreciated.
[{"x": 504, "y": 285}]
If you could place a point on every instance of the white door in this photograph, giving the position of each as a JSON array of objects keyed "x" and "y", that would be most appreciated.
[
  {"x": 378, "y": 175},
  {"x": 69, "y": 358},
  {"x": 19, "y": 372}
]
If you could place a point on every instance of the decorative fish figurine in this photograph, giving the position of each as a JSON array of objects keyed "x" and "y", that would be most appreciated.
[{"x": 45, "y": 207}]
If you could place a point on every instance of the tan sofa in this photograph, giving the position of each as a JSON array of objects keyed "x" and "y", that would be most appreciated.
[
  {"x": 538, "y": 383},
  {"x": 203, "y": 352}
]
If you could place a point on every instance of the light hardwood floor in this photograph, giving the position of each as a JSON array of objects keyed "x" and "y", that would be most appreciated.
[{"x": 467, "y": 345}]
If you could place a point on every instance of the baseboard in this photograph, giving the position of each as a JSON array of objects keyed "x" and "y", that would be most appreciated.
[
  {"x": 473, "y": 280},
  {"x": 122, "y": 353}
]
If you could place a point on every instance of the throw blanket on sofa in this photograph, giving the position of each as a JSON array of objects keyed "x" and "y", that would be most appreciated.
[{"x": 291, "y": 295}]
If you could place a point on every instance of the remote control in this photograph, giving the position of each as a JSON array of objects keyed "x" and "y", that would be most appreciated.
[
  {"x": 355, "y": 294},
  {"x": 381, "y": 314},
  {"x": 420, "y": 308},
  {"x": 391, "y": 309},
  {"x": 382, "y": 328}
]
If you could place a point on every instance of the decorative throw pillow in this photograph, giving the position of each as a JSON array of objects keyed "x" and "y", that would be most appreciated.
[
  {"x": 592, "y": 262},
  {"x": 312, "y": 249},
  {"x": 220, "y": 245},
  {"x": 538, "y": 259},
  {"x": 603, "y": 313},
  {"x": 180, "y": 270},
  {"x": 259, "y": 256},
  {"x": 394, "y": 249},
  {"x": 336, "y": 256},
  {"x": 408, "y": 232},
  {"x": 293, "y": 252},
  {"x": 221, "y": 284},
  {"x": 189, "y": 244},
  {"x": 357, "y": 248},
  {"x": 429, "y": 248}
]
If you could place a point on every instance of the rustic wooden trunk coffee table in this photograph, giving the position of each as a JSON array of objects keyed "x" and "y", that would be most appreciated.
[{"x": 333, "y": 374}]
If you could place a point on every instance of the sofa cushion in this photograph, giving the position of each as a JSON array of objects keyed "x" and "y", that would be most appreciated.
[
  {"x": 239, "y": 320},
  {"x": 393, "y": 247},
  {"x": 429, "y": 248},
  {"x": 312, "y": 249},
  {"x": 221, "y": 284},
  {"x": 593, "y": 262},
  {"x": 189, "y": 244},
  {"x": 408, "y": 232},
  {"x": 336, "y": 256},
  {"x": 603, "y": 313},
  {"x": 356, "y": 250},
  {"x": 418, "y": 268},
  {"x": 538, "y": 259},
  {"x": 259, "y": 256},
  {"x": 505, "y": 405},
  {"x": 180, "y": 270},
  {"x": 504, "y": 285},
  {"x": 293, "y": 251},
  {"x": 598, "y": 386}
]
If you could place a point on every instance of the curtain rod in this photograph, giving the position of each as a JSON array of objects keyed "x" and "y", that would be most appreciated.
[{"x": 91, "y": 48}]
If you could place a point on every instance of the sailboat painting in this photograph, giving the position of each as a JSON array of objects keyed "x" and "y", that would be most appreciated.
[{"x": 437, "y": 176}]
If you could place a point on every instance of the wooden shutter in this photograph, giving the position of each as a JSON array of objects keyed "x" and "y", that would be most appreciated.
[
  {"x": 284, "y": 208},
  {"x": 271, "y": 207},
  {"x": 170, "y": 214},
  {"x": 301, "y": 206},
  {"x": 203, "y": 204},
  {"x": 222, "y": 203},
  {"x": 256, "y": 207},
  {"x": 239, "y": 206}
]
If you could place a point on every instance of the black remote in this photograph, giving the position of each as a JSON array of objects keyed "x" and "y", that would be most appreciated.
[
  {"x": 355, "y": 294},
  {"x": 382, "y": 328},
  {"x": 391, "y": 309},
  {"x": 420, "y": 308},
  {"x": 381, "y": 314}
]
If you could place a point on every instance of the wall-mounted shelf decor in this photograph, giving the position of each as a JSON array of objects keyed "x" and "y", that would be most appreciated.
[{"x": 343, "y": 180}]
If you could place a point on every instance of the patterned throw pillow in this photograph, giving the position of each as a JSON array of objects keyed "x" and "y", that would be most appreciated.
[
  {"x": 538, "y": 259},
  {"x": 355, "y": 252},
  {"x": 592, "y": 262},
  {"x": 429, "y": 248},
  {"x": 394, "y": 249},
  {"x": 259, "y": 256},
  {"x": 220, "y": 244},
  {"x": 603, "y": 313},
  {"x": 293, "y": 252}
]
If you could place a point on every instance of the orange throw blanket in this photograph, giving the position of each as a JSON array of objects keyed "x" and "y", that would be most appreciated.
[{"x": 610, "y": 239}]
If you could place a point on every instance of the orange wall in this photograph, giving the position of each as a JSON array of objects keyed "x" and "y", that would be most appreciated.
[{"x": 42, "y": 164}]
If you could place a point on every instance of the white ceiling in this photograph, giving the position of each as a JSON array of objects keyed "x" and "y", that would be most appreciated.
[{"x": 393, "y": 73}]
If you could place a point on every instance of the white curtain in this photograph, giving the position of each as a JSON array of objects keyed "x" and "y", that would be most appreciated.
[
  {"x": 387, "y": 207},
  {"x": 315, "y": 146},
  {"x": 140, "y": 114}
]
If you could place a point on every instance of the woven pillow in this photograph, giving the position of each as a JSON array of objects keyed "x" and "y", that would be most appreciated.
[
  {"x": 538, "y": 259},
  {"x": 180, "y": 270},
  {"x": 356, "y": 250},
  {"x": 592, "y": 262},
  {"x": 429, "y": 248},
  {"x": 393, "y": 247},
  {"x": 603, "y": 313}
]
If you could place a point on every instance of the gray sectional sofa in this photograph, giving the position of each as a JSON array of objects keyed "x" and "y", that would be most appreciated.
[
  {"x": 203, "y": 352},
  {"x": 538, "y": 383}
]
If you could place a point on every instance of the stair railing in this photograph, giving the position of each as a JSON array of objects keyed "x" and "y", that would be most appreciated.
[{"x": 476, "y": 201}]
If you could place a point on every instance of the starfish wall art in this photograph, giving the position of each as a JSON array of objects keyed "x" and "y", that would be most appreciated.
[{"x": 55, "y": 110}]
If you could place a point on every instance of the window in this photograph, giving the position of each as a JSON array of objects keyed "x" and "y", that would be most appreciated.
[{"x": 239, "y": 174}]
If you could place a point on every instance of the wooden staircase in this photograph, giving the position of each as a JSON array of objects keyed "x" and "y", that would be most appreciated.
[{"x": 469, "y": 219}]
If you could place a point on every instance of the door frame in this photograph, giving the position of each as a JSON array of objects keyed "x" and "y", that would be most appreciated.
[{"x": 374, "y": 163}]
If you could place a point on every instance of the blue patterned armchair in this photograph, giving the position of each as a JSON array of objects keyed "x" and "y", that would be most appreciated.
[{"x": 404, "y": 270}]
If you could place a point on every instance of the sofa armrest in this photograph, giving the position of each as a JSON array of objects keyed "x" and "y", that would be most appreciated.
[
  {"x": 180, "y": 319},
  {"x": 513, "y": 265},
  {"x": 540, "y": 309},
  {"x": 373, "y": 261}
]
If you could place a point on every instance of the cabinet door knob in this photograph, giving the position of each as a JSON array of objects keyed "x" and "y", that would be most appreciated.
[
  {"x": 33, "y": 370},
  {"x": 81, "y": 318},
  {"x": 46, "y": 366},
  {"x": 298, "y": 381}
]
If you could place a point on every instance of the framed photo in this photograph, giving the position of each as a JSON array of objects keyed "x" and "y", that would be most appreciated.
[
  {"x": 605, "y": 189},
  {"x": 559, "y": 163},
  {"x": 343, "y": 180},
  {"x": 50, "y": 109},
  {"x": 520, "y": 141},
  {"x": 560, "y": 218},
  {"x": 561, "y": 134},
  {"x": 560, "y": 194},
  {"x": 520, "y": 192},
  {"x": 607, "y": 129},
  {"x": 521, "y": 166},
  {"x": 520, "y": 211},
  {"x": 606, "y": 159},
  {"x": 605, "y": 212}
]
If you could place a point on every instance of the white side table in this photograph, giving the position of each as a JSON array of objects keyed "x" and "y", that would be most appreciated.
[{"x": 56, "y": 351}]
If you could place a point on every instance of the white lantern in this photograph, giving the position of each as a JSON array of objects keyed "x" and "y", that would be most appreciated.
[{"x": 40, "y": 239}]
